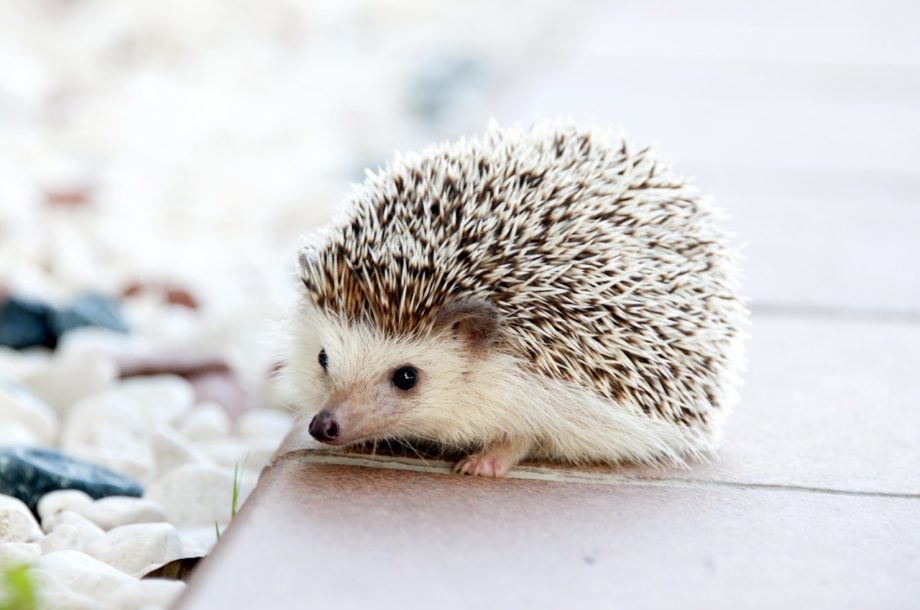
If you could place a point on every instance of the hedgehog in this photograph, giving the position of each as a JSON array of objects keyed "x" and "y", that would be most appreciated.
[{"x": 547, "y": 293}]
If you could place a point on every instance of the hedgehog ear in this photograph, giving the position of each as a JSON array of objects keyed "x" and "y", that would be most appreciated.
[{"x": 476, "y": 322}]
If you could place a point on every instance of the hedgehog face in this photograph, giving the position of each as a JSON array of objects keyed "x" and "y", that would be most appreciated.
[{"x": 362, "y": 384}]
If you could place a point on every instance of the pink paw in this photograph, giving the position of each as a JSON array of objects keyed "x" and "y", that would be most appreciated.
[{"x": 483, "y": 465}]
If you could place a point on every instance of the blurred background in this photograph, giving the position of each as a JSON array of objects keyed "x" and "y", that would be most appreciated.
[{"x": 193, "y": 144}]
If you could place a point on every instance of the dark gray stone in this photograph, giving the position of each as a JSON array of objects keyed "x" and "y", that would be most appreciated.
[
  {"x": 28, "y": 473},
  {"x": 442, "y": 84},
  {"x": 24, "y": 323},
  {"x": 88, "y": 310}
]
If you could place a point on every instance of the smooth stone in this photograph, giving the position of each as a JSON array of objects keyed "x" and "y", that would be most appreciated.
[
  {"x": 265, "y": 424},
  {"x": 57, "y": 598},
  {"x": 77, "y": 197},
  {"x": 18, "y": 406},
  {"x": 162, "y": 398},
  {"x": 71, "y": 530},
  {"x": 191, "y": 544},
  {"x": 106, "y": 513},
  {"x": 87, "y": 310},
  {"x": 173, "y": 294},
  {"x": 205, "y": 422},
  {"x": 53, "y": 504},
  {"x": 194, "y": 495},
  {"x": 171, "y": 450},
  {"x": 25, "y": 323},
  {"x": 169, "y": 361},
  {"x": 225, "y": 389},
  {"x": 67, "y": 379},
  {"x": 95, "y": 341},
  {"x": 259, "y": 454},
  {"x": 72, "y": 577},
  {"x": 227, "y": 453},
  {"x": 17, "y": 524},
  {"x": 18, "y": 553},
  {"x": 17, "y": 435},
  {"x": 139, "y": 548},
  {"x": 201, "y": 538},
  {"x": 16, "y": 364},
  {"x": 28, "y": 473},
  {"x": 117, "y": 511},
  {"x": 112, "y": 430},
  {"x": 146, "y": 594}
]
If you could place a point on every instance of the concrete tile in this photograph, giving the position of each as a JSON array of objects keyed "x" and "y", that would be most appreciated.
[
  {"x": 828, "y": 403},
  {"x": 345, "y": 537}
]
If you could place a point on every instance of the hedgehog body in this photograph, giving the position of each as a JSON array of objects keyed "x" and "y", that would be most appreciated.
[{"x": 547, "y": 293}]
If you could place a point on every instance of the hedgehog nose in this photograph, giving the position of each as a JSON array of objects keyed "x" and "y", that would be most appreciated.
[{"x": 324, "y": 427}]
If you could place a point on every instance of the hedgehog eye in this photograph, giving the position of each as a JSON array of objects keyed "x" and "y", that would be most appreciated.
[
  {"x": 323, "y": 359},
  {"x": 405, "y": 378}
]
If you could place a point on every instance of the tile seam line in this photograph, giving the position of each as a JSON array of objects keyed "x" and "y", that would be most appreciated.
[
  {"x": 535, "y": 474},
  {"x": 776, "y": 310}
]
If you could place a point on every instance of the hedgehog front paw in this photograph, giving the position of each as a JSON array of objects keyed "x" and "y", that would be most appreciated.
[
  {"x": 495, "y": 461},
  {"x": 483, "y": 465}
]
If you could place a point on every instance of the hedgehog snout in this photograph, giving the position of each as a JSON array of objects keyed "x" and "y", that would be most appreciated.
[{"x": 324, "y": 427}]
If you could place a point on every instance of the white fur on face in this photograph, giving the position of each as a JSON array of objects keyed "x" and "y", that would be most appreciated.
[
  {"x": 357, "y": 386},
  {"x": 466, "y": 401}
]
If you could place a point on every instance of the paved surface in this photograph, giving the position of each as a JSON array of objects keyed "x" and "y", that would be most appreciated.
[{"x": 804, "y": 120}]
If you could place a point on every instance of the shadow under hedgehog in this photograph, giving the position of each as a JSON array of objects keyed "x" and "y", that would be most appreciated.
[{"x": 546, "y": 293}]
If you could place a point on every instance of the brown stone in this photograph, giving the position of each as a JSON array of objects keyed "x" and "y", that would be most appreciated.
[
  {"x": 171, "y": 294},
  {"x": 72, "y": 198},
  {"x": 223, "y": 388}
]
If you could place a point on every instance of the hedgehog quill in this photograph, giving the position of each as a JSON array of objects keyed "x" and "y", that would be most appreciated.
[{"x": 547, "y": 293}]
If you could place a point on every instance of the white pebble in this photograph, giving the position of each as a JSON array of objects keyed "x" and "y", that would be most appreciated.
[
  {"x": 16, "y": 521},
  {"x": 14, "y": 434},
  {"x": 139, "y": 548},
  {"x": 18, "y": 553},
  {"x": 145, "y": 594},
  {"x": 98, "y": 341},
  {"x": 16, "y": 364},
  {"x": 161, "y": 398},
  {"x": 205, "y": 422},
  {"x": 66, "y": 380},
  {"x": 194, "y": 495},
  {"x": 191, "y": 542},
  {"x": 71, "y": 579},
  {"x": 116, "y": 511},
  {"x": 227, "y": 452},
  {"x": 198, "y": 541},
  {"x": 72, "y": 531},
  {"x": 53, "y": 504},
  {"x": 265, "y": 424},
  {"x": 110, "y": 430},
  {"x": 19, "y": 407},
  {"x": 107, "y": 513},
  {"x": 171, "y": 450}
]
